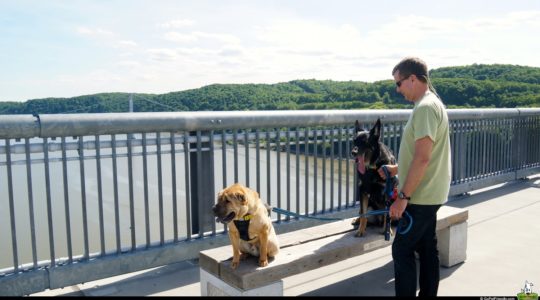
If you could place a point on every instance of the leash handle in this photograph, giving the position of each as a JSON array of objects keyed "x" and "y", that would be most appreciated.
[{"x": 404, "y": 224}]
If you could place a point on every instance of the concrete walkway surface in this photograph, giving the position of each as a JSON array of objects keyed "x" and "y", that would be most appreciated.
[{"x": 503, "y": 249}]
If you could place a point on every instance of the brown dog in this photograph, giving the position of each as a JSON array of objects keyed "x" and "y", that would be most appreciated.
[{"x": 251, "y": 231}]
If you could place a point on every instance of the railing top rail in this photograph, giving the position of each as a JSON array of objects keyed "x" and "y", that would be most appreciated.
[
  {"x": 57, "y": 125},
  {"x": 19, "y": 126}
]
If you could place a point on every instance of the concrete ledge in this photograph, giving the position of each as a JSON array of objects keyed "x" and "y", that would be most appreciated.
[
  {"x": 452, "y": 244},
  {"x": 448, "y": 216},
  {"x": 318, "y": 246},
  {"x": 213, "y": 286},
  {"x": 24, "y": 283}
]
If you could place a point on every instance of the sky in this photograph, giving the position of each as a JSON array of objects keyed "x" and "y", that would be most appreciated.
[{"x": 67, "y": 48}]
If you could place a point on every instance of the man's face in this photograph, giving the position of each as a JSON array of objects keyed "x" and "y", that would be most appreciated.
[{"x": 403, "y": 85}]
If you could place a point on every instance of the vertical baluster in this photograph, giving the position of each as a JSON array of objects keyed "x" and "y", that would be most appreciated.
[
  {"x": 83, "y": 198},
  {"x": 315, "y": 161},
  {"x": 100, "y": 195},
  {"x": 160, "y": 190},
  {"x": 130, "y": 185},
  {"x": 347, "y": 165},
  {"x": 49, "y": 204},
  {"x": 235, "y": 147},
  {"x": 268, "y": 166},
  {"x": 278, "y": 171},
  {"x": 173, "y": 186},
  {"x": 12, "y": 208},
  {"x": 146, "y": 198},
  {"x": 224, "y": 164},
  {"x": 258, "y": 159},
  {"x": 332, "y": 158},
  {"x": 116, "y": 204},
  {"x": 323, "y": 148},
  {"x": 297, "y": 152},
  {"x": 246, "y": 146},
  {"x": 211, "y": 142},
  {"x": 306, "y": 169},
  {"x": 66, "y": 201},
  {"x": 288, "y": 168},
  {"x": 199, "y": 178},
  {"x": 30, "y": 201},
  {"x": 188, "y": 189},
  {"x": 340, "y": 165}
]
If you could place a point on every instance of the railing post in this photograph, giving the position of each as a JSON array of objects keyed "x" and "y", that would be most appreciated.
[{"x": 202, "y": 184}]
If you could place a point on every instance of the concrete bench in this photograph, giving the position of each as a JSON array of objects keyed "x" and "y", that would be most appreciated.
[{"x": 314, "y": 247}]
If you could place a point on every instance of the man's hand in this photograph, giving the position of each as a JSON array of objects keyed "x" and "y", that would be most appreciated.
[
  {"x": 392, "y": 169},
  {"x": 397, "y": 208}
]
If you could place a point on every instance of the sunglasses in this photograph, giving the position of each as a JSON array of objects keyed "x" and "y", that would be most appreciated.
[{"x": 398, "y": 83}]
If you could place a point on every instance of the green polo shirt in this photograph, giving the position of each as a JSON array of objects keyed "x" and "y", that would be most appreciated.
[{"x": 428, "y": 118}]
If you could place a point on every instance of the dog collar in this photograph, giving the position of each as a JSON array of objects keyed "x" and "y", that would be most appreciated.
[{"x": 247, "y": 217}]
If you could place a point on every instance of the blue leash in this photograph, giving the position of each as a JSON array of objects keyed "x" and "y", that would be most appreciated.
[
  {"x": 403, "y": 226},
  {"x": 289, "y": 213}
]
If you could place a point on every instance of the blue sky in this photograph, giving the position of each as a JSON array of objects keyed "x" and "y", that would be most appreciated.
[{"x": 77, "y": 47}]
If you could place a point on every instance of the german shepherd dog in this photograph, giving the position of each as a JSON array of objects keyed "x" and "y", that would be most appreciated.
[{"x": 370, "y": 154}]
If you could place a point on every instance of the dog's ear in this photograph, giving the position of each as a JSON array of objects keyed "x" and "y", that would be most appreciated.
[
  {"x": 357, "y": 126},
  {"x": 219, "y": 196},
  {"x": 242, "y": 197},
  {"x": 375, "y": 132}
]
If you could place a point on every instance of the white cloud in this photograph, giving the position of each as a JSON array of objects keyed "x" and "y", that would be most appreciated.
[
  {"x": 198, "y": 36},
  {"x": 310, "y": 37},
  {"x": 176, "y": 24},
  {"x": 231, "y": 51},
  {"x": 94, "y": 32},
  {"x": 129, "y": 64},
  {"x": 127, "y": 44},
  {"x": 162, "y": 54},
  {"x": 180, "y": 37}
]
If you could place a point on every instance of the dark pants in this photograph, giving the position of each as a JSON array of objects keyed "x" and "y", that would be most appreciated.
[{"x": 421, "y": 238}]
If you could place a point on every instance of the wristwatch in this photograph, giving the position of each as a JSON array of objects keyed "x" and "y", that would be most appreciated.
[{"x": 401, "y": 195}]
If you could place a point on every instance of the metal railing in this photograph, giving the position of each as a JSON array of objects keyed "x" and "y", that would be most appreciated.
[{"x": 88, "y": 196}]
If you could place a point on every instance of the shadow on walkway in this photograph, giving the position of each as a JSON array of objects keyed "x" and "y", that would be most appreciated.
[{"x": 377, "y": 282}]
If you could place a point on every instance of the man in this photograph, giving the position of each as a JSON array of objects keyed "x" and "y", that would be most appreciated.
[{"x": 424, "y": 179}]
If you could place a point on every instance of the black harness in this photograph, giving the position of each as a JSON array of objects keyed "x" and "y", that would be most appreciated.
[{"x": 243, "y": 226}]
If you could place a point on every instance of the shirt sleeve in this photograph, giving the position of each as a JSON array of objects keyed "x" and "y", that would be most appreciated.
[{"x": 425, "y": 122}]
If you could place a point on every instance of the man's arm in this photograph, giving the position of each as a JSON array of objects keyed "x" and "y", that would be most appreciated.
[{"x": 421, "y": 158}]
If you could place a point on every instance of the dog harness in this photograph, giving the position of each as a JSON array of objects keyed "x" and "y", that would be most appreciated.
[{"x": 243, "y": 226}]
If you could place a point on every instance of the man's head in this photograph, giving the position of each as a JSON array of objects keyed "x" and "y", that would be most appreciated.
[{"x": 411, "y": 77}]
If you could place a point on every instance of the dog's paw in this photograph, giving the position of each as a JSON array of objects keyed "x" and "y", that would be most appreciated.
[
  {"x": 359, "y": 233},
  {"x": 355, "y": 223},
  {"x": 235, "y": 264},
  {"x": 263, "y": 263}
]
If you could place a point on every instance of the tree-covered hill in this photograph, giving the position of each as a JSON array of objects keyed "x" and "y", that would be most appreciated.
[
  {"x": 491, "y": 72},
  {"x": 464, "y": 86}
]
